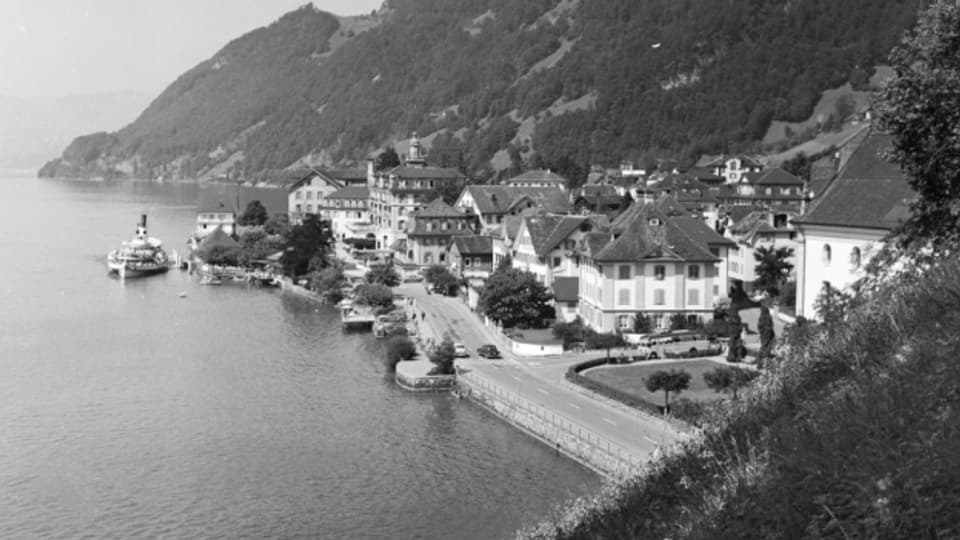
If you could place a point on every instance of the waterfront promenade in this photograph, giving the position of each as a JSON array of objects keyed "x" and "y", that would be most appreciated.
[{"x": 536, "y": 385}]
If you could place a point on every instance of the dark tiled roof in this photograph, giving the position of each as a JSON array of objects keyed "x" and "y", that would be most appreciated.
[
  {"x": 434, "y": 173},
  {"x": 502, "y": 199},
  {"x": 473, "y": 245},
  {"x": 774, "y": 177},
  {"x": 676, "y": 238},
  {"x": 566, "y": 289},
  {"x": 540, "y": 227},
  {"x": 564, "y": 228},
  {"x": 700, "y": 232},
  {"x": 740, "y": 211},
  {"x": 538, "y": 175},
  {"x": 511, "y": 226},
  {"x": 439, "y": 209},
  {"x": 218, "y": 238},
  {"x": 350, "y": 192},
  {"x": 352, "y": 175},
  {"x": 224, "y": 198},
  {"x": 869, "y": 192}
]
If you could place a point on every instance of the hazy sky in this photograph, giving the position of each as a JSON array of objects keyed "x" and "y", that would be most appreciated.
[{"x": 61, "y": 47}]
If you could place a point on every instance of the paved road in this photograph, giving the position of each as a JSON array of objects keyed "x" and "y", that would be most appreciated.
[{"x": 540, "y": 380}]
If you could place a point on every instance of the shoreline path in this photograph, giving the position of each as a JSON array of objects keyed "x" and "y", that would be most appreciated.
[{"x": 540, "y": 380}]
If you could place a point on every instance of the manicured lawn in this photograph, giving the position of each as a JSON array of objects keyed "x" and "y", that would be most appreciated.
[
  {"x": 540, "y": 336},
  {"x": 630, "y": 379}
]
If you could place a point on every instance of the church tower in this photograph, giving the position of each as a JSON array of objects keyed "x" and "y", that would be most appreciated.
[{"x": 416, "y": 157}]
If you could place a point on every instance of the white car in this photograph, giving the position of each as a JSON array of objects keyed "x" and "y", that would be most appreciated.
[{"x": 460, "y": 351}]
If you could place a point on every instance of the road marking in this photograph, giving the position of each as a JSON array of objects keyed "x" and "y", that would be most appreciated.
[
  {"x": 534, "y": 363},
  {"x": 542, "y": 391},
  {"x": 649, "y": 439},
  {"x": 572, "y": 405},
  {"x": 607, "y": 420}
]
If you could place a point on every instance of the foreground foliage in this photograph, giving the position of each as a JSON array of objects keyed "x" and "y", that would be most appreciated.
[{"x": 851, "y": 434}]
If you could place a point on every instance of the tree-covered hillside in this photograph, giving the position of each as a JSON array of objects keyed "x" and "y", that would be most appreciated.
[{"x": 667, "y": 77}]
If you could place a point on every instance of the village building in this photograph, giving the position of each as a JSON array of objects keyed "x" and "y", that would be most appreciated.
[
  {"x": 772, "y": 187},
  {"x": 847, "y": 223},
  {"x": 599, "y": 198},
  {"x": 397, "y": 193},
  {"x": 731, "y": 168},
  {"x": 492, "y": 204},
  {"x": 471, "y": 258},
  {"x": 758, "y": 228},
  {"x": 346, "y": 209},
  {"x": 538, "y": 178},
  {"x": 430, "y": 230},
  {"x": 545, "y": 244},
  {"x": 307, "y": 196},
  {"x": 650, "y": 264}
]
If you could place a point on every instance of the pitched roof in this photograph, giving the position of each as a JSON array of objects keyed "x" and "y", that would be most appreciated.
[
  {"x": 351, "y": 175},
  {"x": 511, "y": 226},
  {"x": 502, "y": 199},
  {"x": 566, "y": 289},
  {"x": 473, "y": 244},
  {"x": 869, "y": 192},
  {"x": 538, "y": 175},
  {"x": 435, "y": 173},
  {"x": 774, "y": 177},
  {"x": 540, "y": 226},
  {"x": 439, "y": 209},
  {"x": 350, "y": 192},
  {"x": 305, "y": 175},
  {"x": 231, "y": 198},
  {"x": 651, "y": 235}
]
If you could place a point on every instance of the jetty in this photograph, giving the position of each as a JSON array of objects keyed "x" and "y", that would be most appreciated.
[{"x": 353, "y": 317}]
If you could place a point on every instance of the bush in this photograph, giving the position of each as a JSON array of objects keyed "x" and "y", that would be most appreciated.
[{"x": 399, "y": 348}]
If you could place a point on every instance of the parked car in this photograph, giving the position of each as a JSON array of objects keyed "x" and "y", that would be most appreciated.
[
  {"x": 460, "y": 351},
  {"x": 488, "y": 351}
]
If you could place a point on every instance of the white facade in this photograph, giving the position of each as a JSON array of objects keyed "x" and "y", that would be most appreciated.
[
  {"x": 309, "y": 197},
  {"x": 207, "y": 222},
  {"x": 833, "y": 255}
]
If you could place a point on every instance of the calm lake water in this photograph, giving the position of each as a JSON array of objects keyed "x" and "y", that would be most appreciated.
[{"x": 129, "y": 412}]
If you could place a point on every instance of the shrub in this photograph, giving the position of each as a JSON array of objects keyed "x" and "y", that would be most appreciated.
[
  {"x": 399, "y": 348},
  {"x": 442, "y": 355}
]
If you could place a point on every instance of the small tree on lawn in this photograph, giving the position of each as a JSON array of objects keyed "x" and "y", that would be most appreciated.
[
  {"x": 377, "y": 297},
  {"x": 512, "y": 297},
  {"x": 765, "y": 327},
  {"x": 442, "y": 356},
  {"x": 727, "y": 379},
  {"x": 736, "y": 350},
  {"x": 608, "y": 340},
  {"x": 329, "y": 282},
  {"x": 674, "y": 381},
  {"x": 384, "y": 274},
  {"x": 569, "y": 332},
  {"x": 772, "y": 268}
]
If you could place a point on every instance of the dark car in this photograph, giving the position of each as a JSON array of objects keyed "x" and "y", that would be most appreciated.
[{"x": 488, "y": 351}]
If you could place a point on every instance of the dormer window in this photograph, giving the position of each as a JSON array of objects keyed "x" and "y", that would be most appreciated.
[{"x": 655, "y": 222}]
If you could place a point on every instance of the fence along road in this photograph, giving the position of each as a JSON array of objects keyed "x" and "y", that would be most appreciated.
[{"x": 589, "y": 425}]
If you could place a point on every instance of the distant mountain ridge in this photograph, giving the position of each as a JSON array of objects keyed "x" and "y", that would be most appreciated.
[
  {"x": 498, "y": 83},
  {"x": 33, "y": 129}
]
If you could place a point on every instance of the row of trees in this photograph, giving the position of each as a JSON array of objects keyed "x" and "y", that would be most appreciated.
[{"x": 725, "y": 379}]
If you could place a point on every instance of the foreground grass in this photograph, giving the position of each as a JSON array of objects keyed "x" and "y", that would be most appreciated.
[
  {"x": 853, "y": 434},
  {"x": 630, "y": 379}
]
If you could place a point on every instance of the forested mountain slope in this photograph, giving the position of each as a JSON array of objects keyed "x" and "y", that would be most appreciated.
[{"x": 588, "y": 81}]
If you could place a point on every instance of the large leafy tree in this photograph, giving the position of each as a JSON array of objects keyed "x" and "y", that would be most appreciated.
[
  {"x": 307, "y": 246},
  {"x": 387, "y": 159},
  {"x": 255, "y": 214},
  {"x": 384, "y": 274},
  {"x": 773, "y": 268},
  {"x": 674, "y": 381},
  {"x": 515, "y": 297},
  {"x": 920, "y": 107},
  {"x": 376, "y": 297},
  {"x": 442, "y": 278}
]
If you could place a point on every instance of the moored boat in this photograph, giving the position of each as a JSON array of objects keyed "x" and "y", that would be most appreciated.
[{"x": 142, "y": 255}]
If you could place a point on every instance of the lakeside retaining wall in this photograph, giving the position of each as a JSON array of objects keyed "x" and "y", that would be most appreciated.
[{"x": 571, "y": 438}]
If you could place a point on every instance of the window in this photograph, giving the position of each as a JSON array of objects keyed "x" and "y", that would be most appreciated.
[
  {"x": 443, "y": 257},
  {"x": 309, "y": 195},
  {"x": 658, "y": 297},
  {"x": 299, "y": 195},
  {"x": 624, "y": 323},
  {"x": 338, "y": 204},
  {"x": 659, "y": 272},
  {"x": 827, "y": 254},
  {"x": 715, "y": 252},
  {"x": 693, "y": 297},
  {"x": 855, "y": 257},
  {"x": 556, "y": 261},
  {"x": 445, "y": 225},
  {"x": 624, "y": 271},
  {"x": 623, "y": 297},
  {"x": 427, "y": 258},
  {"x": 693, "y": 272},
  {"x": 693, "y": 321},
  {"x": 716, "y": 290},
  {"x": 466, "y": 261},
  {"x": 299, "y": 208}
]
